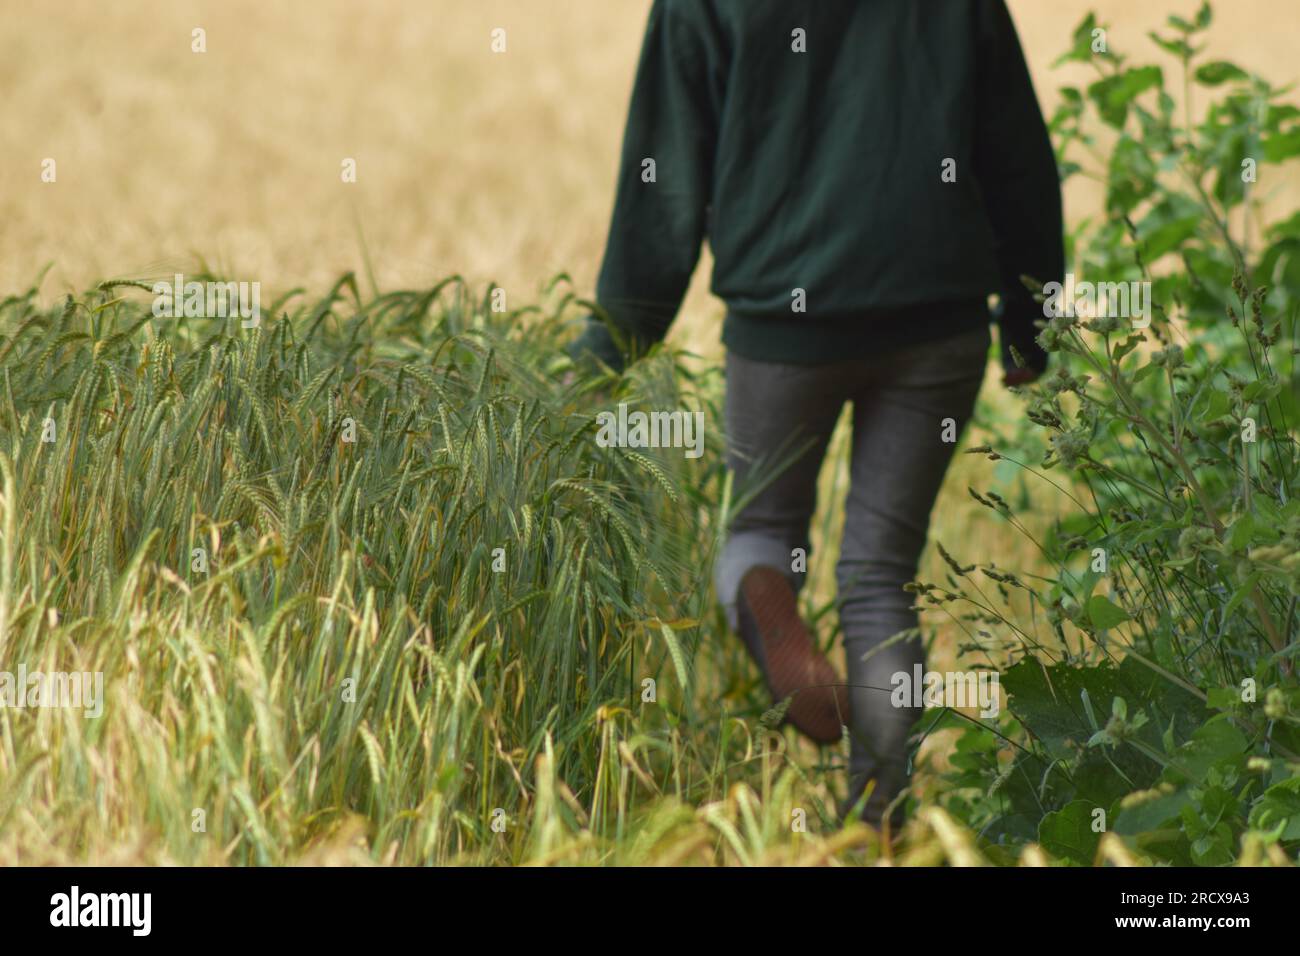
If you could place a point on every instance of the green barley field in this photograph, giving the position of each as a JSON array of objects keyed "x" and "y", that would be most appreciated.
[{"x": 363, "y": 587}]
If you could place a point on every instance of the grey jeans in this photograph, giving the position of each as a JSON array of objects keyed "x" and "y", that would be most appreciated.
[{"x": 909, "y": 407}]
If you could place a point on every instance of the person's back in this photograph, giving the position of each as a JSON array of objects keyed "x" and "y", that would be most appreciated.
[
  {"x": 853, "y": 163},
  {"x": 867, "y": 173}
]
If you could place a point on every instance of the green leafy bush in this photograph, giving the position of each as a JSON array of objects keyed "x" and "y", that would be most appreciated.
[{"x": 1153, "y": 694}]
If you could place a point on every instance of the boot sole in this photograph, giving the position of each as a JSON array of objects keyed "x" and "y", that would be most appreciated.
[{"x": 791, "y": 664}]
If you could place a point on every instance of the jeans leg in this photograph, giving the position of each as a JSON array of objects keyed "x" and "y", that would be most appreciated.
[
  {"x": 773, "y": 412},
  {"x": 899, "y": 459}
]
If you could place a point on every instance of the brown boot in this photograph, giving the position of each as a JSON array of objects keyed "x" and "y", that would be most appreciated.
[{"x": 785, "y": 652}]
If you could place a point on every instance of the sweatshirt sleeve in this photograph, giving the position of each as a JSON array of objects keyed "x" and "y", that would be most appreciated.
[
  {"x": 665, "y": 174},
  {"x": 1017, "y": 172}
]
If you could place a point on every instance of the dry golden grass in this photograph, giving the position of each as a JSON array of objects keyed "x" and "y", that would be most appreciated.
[{"x": 496, "y": 167}]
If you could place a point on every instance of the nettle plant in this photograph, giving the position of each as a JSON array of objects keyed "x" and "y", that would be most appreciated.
[{"x": 1151, "y": 682}]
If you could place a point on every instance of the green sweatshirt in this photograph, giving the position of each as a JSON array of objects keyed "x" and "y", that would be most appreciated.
[{"x": 866, "y": 173}]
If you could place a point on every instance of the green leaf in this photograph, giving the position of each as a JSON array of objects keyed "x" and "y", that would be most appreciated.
[
  {"x": 1279, "y": 806},
  {"x": 1264, "y": 390},
  {"x": 1169, "y": 236},
  {"x": 1217, "y": 742},
  {"x": 1088, "y": 584},
  {"x": 1178, "y": 47},
  {"x": 1242, "y": 592},
  {"x": 1281, "y": 147},
  {"x": 1048, "y": 701},
  {"x": 1241, "y": 532},
  {"x": 1144, "y": 371},
  {"x": 1131, "y": 177},
  {"x": 1212, "y": 406},
  {"x": 1223, "y": 698},
  {"x": 1103, "y": 613},
  {"x": 1113, "y": 94},
  {"x": 1128, "y": 345},
  {"x": 1220, "y": 71},
  {"x": 1068, "y": 833},
  {"x": 1150, "y": 814},
  {"x": 1081, "y": 46}
]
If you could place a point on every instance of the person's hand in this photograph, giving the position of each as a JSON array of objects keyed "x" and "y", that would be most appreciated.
[
  {"x": 594, "y": 348},
  {"x": 1023, "y": 359},
  {"x": 1020, "y": 376}
]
